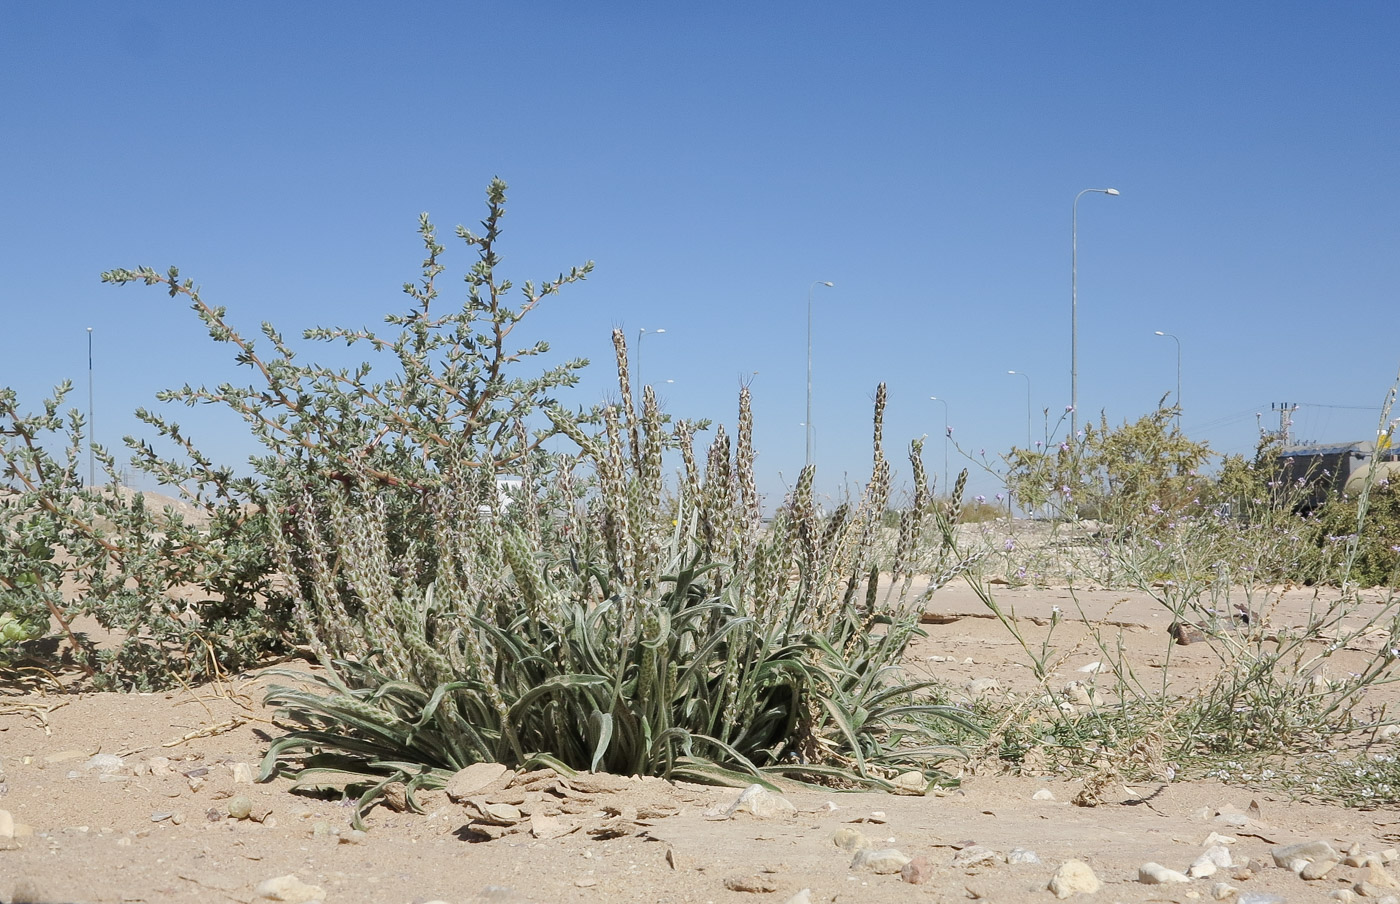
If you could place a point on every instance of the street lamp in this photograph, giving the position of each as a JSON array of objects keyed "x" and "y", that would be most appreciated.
[
  {"x": 92, "y": 466},
  {"x": 1028, "y": 405},
  {"x": 1178, "y": 376},
  {"x": 944, "y": 403},
  {"x": 815, "y": 283},
  {"x": 1074, "y": 306},
  {"x": 638, "y": 357}
]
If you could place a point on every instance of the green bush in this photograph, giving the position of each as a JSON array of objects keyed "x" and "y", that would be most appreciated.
[{"x": 596, "y": 618}]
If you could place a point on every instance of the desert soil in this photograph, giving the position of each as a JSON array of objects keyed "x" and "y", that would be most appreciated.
[{"x": 157, "y": 826}]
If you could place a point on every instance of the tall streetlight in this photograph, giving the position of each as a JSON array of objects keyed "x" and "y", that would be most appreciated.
[
  {"x": 944, "y": 403},
  {"x": 1028, "y": 404},
  {"x": 1178, "y": 376},
  {"x": 92, "y": 465},
  {"x": 1074, "y": 306},
  {"x": 815, "y": 283},
  {"x": 637, "y": 363}
]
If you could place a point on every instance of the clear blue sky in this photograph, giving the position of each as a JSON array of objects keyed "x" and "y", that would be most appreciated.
[{"x": 715, "y": 159}]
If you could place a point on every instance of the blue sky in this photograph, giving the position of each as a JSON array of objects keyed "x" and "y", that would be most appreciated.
[{"x": 714, "y": 160}]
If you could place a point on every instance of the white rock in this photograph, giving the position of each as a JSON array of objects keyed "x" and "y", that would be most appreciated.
[
  {"x": 884, "y": 861},
  {"x": 1022, "y": 855},
  {"x": 1222, "y": 891},
  {"x": 849, "y": 839},
  {"x": 1217, "y": 838},
  {"x": 911, "y": 782},
  {"x": 1311, "y": 851},
  {"x": 1157, "y": 874},
  {"x": 7, "y": 824},
  {"x": 1043, "y": 794},
  {"x": 1215, "y": 857},
  {"x": 802, "y": 897},
  {"x": 979, "y": 686},
  {"x": 762, "y": 803},
  {"x": 106, "y": 763},
  {"x": 975, "y": 855},
  {"x": 243, "y": 773},
  {"x": 1074, "y": 877},
  {"x": 1090, "y": 669},
  {"x": 468, "y": 781},
  {"x": 289, "y": 889}
]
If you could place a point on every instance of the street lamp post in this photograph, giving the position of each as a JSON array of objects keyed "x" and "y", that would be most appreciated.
[
  {"x": 815, "y": 283},
  {"x": 1178, "y": 376},
  {"x": 92, "y": 466},
  {"x": 1074, "y": 306},
  {"x": 638, "y": 356},
  {"x": 1028, "y": 404},
  {"x": 944, "y": 403}
]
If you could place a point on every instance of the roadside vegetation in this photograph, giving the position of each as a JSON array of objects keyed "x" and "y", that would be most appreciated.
[{"x": 482, "y": 574}]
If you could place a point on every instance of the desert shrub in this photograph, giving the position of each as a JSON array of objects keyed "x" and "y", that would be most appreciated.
[
  {"x": 1345, "y": 546},
  {"x": 1137, "y": 476},
  {"x": 187, "y": 598},
  {"x": 599, "y": 618}
]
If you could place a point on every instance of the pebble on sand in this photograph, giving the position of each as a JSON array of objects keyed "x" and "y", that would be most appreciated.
[
  {"x": 289, "y": 889},
  {"x": 883, "y": 862},
  {"x": 1074, "y": 877},
  {"x": 1157, "y": 874}
]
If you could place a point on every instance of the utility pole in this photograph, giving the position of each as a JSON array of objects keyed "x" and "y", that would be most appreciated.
[{"x": 1285, "y": 418}]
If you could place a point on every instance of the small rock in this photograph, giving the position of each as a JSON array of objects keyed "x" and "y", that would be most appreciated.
[
  {"x": 1022, "y": 855},
  {"x": 501, "y": 814},
  {"x": 1186, "y": 633},
  {"x": 1074, "y": 877},
  {"x": 975, "y": 855},
  {"x": 1213, "y": 858},
  {"x": 240, "y": 807},
  {"x": 159, "y": 765},
  {"x": 243, "y": 773},
  {"x": 1345, "y": 895},
  {"x": 161, "y": 815},
  {"x": 1215, "y": 838},
  {"x": 1223, "y": 891},
  {"x": 466, "y": 782},
  {"x": 883, "y": 862},
  {"x": 1090, "y": 669},
  {"x": 979, "y": 686},
  {"x": 586, "y": 882},
  {"x": 917, "y": 871},
  {"x": 911, "y": 782},
  {"x": 7, "y": 824},
  {"x": 1260, "y": 897},
  {"x": 1312, "y": 851},
  {"x": 1378, "y": 876},
  {"x": 1360, "y": 859},
  {"x": 106, "y": 763},
  {"x": 849, "y": 839},
  {"x": 1157, "y": 874},
  {"x": 177, "y": 819},
  {"x": 802, "y": 897},
  {"x": 762, "y": 803},
  {"x": 290, "y": 889},
  {"x": 354, "y": 836},
  {"x": 321, "y": 829},
  {"x": 1317, "y": 869},
  {"x": 1043, "y": 794},
  {"x": 757, "y": 883}
]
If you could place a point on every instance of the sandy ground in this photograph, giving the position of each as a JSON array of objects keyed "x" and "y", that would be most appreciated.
[{"x": 157, "y": 827}]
